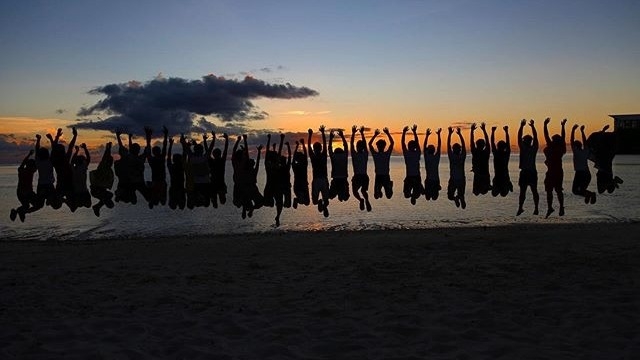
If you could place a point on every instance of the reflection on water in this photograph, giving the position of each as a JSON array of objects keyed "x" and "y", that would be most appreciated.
[{"x": 129, "y": 221}]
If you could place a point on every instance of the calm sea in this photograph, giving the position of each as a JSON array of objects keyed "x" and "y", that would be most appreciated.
[{"x": 131, "y": 221}]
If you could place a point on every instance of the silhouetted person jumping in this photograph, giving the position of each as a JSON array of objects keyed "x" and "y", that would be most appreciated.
[
  {"x": 177, "y": 191},
  {"x": 602, "y": 145},
  {"x": 320, "y": 182},
  {"x": 480, "y": 153},
  {"x": 457, "y": 179},
  {"x": 359, "y": 159},
  {"x": 80, "y": 196},
  {"x": 101, "y": 181},
  {"x": 61, "y": 160},
  {"x": 528, "y": 146},
  {"x": 285, "y": 176},
  {"x": 412, "y": 188},
  {"x": 553, "y": 152},
  {"x": 26, "y": 195},
  {"x": 156, "y": 158},
  {"x": 273, "y": 189},
  {"x": 381, "y": 160},
  {"x": 582, "y": 176},
  {"x": 432, "y": 163},
  {"x": 45, "y": 191},
  {"x": 300, "y": 175},
  {"x": 339, "y": 168},
  {"x": 501, "y": 181},
  {"x": 217, "y": 166}
]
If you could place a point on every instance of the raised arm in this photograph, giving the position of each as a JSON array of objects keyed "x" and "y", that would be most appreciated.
[
  {"x": 426, "y": 141},
  {"x": 353, "y": 136},
  {"x": 258, "y": 158},
  {"x": 464, "y": 148},
  {"x": 58, "y": 135},
  {"x": 72, "y": 143},
  {"x": 246, "y": 146},
  {"x": 563, "y": 133},
  {"x": 309, "y": 142},
  {"x": 304, "y": 148},
  {"x": 288, "y": 153},
  {"x": 331, "y": 135},
  {"x": 449, "y": 149},
  {"x": 584, "y": 137},
  {"x": 165, "y": 133},
  {"x": 268, "y": 142},
  {"x": 472, "y": 137},
  {"x": 391, "y": 142},
  {"x": 523, "y": 122},
  {"x": 414, "y": 130},
  {"x": 439, "y": 141},
  {"x": 208, "y": 149},
  {"x": 375, "y": 135},
  {"x": 506, "y": 139},
  {"x": 74, "y": 154},
  {"x": 493, "y": 138},
  {"x": 86, "y": 153},
  {"x": 169, "y": 160},
  {"x": 281, "y": 143},
  {"x": 324, "y": 140},
  {"x": 344, "y": 141},
  {"x": 534, "y": 133},
  {"x": 38, "y": 137},
  {"x": 226, "y": 146},
  {"x": 403, "y": 138},
  {"x": 107, "y": 152},
  {"x": 121, "y": 148},
  {"x": 483, "y": 127},
  {"x": 546, "y": 131},
  {"x": 147, "y": 135},
  {"x": 573, "y": 135},
  {"x": 235, "y": 146}
]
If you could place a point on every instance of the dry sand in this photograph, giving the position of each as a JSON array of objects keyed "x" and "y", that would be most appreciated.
[{"x": 518, "y": 292}]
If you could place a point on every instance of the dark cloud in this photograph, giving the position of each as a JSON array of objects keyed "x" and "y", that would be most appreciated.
[
  {"x": 13, "y": 149},
  {"x": 179, "y": 103},
  {"x": 61, "y": 111}
]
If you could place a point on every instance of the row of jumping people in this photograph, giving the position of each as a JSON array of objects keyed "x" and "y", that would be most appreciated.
[{"x": 197, "y": 175}]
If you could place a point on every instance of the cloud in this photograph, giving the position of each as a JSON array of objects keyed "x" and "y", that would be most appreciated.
[
  {"x": 14, "y": 148},
  {"x": 61, "y": 111},
  {"x": 179, "y": 103}
]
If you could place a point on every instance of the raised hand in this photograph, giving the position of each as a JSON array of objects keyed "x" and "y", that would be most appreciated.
[
  {"x": 531, "y": 122},
  {"x": 494, "y": 128},
  {"x": 49, "y": 136},
  {"x": 483, "y": 126},
  {"x": 74, "y": 131},
  {"x": 582, "y": 128},
  {"x": 376, "y": 132},
  {"x": 310, "y": 131},
  {"x": 523, "y": 122},
  {"x": 458, "y": 131},
  {"x": 259, "y": 147},
  {"x": 506, "y": 128},
  {"x": 450, "y": 130},
  {"x": 59, "y": 133},
  {"x": 281, "y": 136},
  {"x": 361, "y": 129},
  {"x": 386, "y": 130},
  {"x": 340, "y": 133},
  {"x": 268, "y": 136},
  {"x": 83, "y": 145},
  {"x": 605, "y": 128},
  {"x": 547, "y": 121},
  {"x": 354, "y": 129},
  {"x": 563, "y": 122},
  {"x": 574, "y": 127},
  {"x": 428, "y": 131},
  {"x": 439, "y": 131},
  {"x": 322, "y": 127},
  {"x": 414, "y": 128},
  {"x": 473, "y": 126},
  {"x": 405, "y": 129}
]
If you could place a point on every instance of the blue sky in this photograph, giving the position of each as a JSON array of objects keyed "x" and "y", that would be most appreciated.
[{"x": 373, "y": 62}]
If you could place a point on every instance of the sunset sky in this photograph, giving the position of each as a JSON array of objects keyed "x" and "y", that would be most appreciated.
[{"x": 376, "y": 63}]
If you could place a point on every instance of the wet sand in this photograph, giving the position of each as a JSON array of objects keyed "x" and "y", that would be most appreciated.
[{"x": 526, "y": 292}]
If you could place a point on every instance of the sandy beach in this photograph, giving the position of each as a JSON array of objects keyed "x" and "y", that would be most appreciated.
[{"x": 519, "y": 292}]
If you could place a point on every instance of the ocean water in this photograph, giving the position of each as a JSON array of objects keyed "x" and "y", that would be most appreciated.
[{"x": 133, "y": 221}]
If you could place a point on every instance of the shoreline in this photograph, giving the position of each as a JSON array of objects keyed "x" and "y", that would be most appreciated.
[{"x": 524, "y": 291}]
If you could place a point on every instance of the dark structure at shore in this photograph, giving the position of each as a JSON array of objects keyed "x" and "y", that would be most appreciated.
[{"x": 627, "y": 127}]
